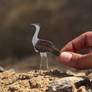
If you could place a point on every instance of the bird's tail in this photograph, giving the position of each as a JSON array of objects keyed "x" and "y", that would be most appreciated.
[{"x": 55, "y": 51}]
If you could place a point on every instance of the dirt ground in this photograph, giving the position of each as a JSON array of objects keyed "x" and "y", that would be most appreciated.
[
  {"x": 46, "y": 81},
  {"x": 25, "y": 76}
]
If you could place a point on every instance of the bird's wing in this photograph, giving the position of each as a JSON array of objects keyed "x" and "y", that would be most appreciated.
[{"x": 47, "y": 46}]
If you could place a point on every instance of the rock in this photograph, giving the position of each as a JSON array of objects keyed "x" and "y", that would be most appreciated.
[
  {"x": 1, "y": 69},
  {"x": 49, "y": 81},
  {"x": 12, "y": 89},
  {"x": 82, "y": 89},
  {"x": 12, "y": 70},
  {"x": 35, "y": 75},
  {"x": 67, "y": 84}
]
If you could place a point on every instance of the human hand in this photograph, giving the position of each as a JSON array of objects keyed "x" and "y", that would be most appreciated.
[{"x": 70, "y": 57}]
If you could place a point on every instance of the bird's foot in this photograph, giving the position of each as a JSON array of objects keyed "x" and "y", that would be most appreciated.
[{"x": 41, "y": 72}]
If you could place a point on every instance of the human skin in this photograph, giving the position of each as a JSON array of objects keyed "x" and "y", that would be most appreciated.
[{"x": 70, "y": 57}]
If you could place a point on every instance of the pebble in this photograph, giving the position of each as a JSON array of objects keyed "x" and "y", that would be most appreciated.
[
  {"x": 35, "y": 75},
  {"x": 12, "y": 70},
  {"x": 1, "y": 69}
]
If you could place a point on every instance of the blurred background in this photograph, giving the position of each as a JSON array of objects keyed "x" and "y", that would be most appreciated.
[{"x": 60, "y": 21}]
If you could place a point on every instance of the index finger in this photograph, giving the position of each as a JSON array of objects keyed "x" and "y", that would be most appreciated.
[{"x": 79, "y": 43}]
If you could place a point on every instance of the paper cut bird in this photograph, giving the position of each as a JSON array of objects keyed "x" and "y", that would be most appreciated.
[{"x": 43, "y": 46}]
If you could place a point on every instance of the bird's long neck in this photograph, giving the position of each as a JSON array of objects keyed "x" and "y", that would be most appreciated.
[
  {"x": 35, "y": 37},
  {"x": 36, "y": 33}
]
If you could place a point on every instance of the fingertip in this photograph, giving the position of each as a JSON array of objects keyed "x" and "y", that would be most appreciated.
[
  {"x": 70, "y": 59},
  {"x": 65, "y": 57},
  {"x": 75, "y": 60}
]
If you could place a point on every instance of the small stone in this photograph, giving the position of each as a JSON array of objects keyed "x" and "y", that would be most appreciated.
[
  {"x": 43, "y": 79},
  {"x": 65, "y": 84},
  {"x": 35, "y": 75},
  {"x": 11, "y": 88},
  {"x": 12, "y": 70},
  {"x": 82, "y": 89},
  {"x": 24, "y": 77},
  {"x": 33, "y": 84},
  {"x": 1, "y": 69}
]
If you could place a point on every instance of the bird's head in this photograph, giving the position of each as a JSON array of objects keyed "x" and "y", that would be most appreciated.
[{"x": 35, "y": 25}]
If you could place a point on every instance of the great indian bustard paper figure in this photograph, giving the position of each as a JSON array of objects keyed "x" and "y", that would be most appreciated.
[{"x": 43, "y": 46}]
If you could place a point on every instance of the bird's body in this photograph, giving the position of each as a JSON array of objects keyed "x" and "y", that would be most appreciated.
[
  {"x": 43, "y": 46},
  {"x": 46, "y": 46},
  {"x": 36, "y": 41}
]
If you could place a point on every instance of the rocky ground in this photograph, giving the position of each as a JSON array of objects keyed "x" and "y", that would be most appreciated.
[{"x": 47, "y": 81}]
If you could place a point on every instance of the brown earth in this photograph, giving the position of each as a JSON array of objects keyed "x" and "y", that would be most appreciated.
[{"x": 33, "y": 81}]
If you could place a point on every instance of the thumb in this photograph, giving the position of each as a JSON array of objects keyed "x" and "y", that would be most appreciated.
[{"x": 76, "y": 60}]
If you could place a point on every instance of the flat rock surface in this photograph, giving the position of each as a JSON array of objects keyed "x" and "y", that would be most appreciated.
[{"x": 47, "y": 81}]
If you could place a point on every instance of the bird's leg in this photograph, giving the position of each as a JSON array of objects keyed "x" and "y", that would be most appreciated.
[
  {"x": 46, "y": 59},
  {"x": 47, "y": 63},
  {"x": 43, "y": 57},
  {"x": 41, "y": 54}
]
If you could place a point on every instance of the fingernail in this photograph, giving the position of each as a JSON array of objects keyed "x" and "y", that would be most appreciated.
[{"x": 66, "y": 56}]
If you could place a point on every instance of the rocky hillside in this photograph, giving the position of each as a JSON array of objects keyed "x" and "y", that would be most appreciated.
[{"x": 47, "y": 81}]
